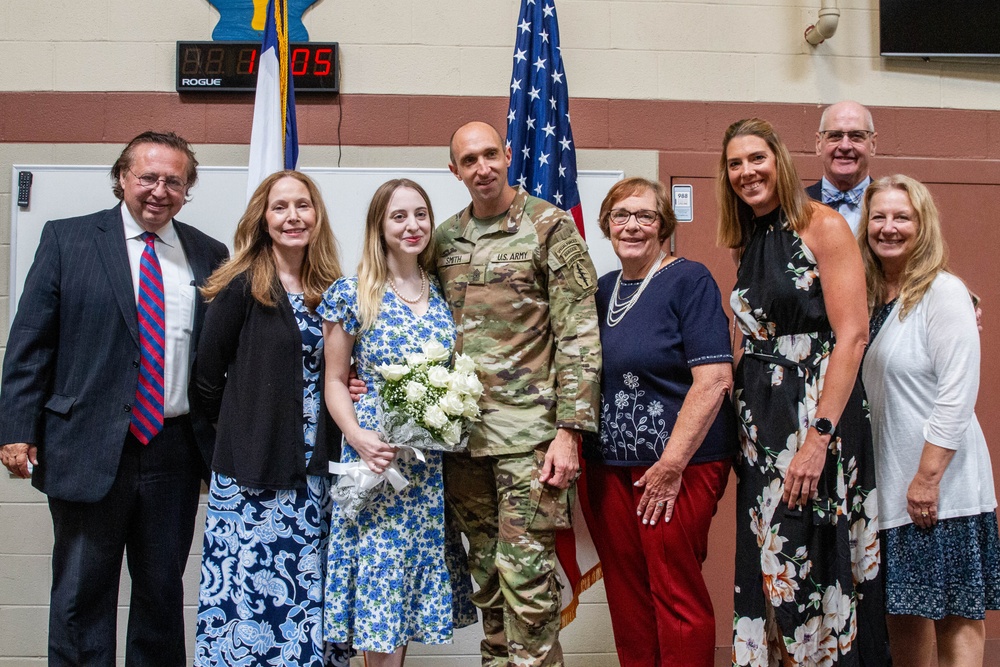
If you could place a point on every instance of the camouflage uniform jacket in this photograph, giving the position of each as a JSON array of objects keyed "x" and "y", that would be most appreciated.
[{"x": 522, "y": 294}]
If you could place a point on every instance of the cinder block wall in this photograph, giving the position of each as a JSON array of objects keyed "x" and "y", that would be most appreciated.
[{"x": 733, "y": 50}]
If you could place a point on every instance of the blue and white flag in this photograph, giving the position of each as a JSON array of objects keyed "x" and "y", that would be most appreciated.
[
  {"x": 543, "y": 157},
  {"x": 274, "y": 139}
]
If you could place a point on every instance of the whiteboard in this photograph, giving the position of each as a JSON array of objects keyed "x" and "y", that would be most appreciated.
[{"x": 219, "y": 198}]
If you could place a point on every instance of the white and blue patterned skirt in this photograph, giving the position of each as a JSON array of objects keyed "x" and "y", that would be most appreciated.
[
  {"x": 952, "y": 569},
  {"x": 263, "y": 561}
]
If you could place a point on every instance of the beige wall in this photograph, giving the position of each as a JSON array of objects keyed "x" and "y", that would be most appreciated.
[{"x": 733, "y": 50}]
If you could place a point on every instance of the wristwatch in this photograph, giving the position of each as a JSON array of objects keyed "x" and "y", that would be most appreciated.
[{"x": 822, "y": 425}]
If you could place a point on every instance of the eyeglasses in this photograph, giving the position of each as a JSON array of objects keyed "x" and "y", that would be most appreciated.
[
  {"x": 149, "y": 181},
  {"x": 620, "y": 216},
  {"x": 855, "y": 136}
]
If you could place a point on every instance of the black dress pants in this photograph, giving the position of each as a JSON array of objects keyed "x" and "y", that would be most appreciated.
[{"x": 148, "y": 515}]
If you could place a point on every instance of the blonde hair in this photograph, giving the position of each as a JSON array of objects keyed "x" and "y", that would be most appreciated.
[
  {"x": 928, "y": 257},
  {"x": 253, "y": 255},
  {"x": 373, "y": 270},
  {"x": 735, "y": 215}
]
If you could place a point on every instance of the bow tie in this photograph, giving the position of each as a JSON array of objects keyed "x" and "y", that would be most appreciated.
[{"x": 834, "y": 198}]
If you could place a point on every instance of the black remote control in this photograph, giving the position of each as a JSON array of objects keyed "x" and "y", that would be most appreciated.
[{"x": 23, "y": 188}]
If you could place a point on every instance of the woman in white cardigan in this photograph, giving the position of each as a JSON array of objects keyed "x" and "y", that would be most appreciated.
[{"x": 936, "y": 499}]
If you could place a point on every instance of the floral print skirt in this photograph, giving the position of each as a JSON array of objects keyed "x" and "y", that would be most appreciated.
[
  {"x": 952, "y": 569},
  {"x": 261, "y": 597},
  {"x": 390, "y": 573},
  {"x": 807, "y": 579}
]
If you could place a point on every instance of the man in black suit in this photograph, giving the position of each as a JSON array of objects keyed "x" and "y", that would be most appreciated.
[
  {"x": 845, "y": 141},
  {"x": 94, "y": 405}
]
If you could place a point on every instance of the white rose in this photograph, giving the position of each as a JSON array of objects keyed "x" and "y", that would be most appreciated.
[
  {"x": 470, "y": 408},
  {"x": 451, "y": 403},
  {"x": 415, "y": 391},
  {"x": 416, "y": 359},
  {"x": 435, "y": 417},
  {"x": 458, "y": 383},
  {"x": 438, "y": 376},
  {"x": 466, "y": 384},
  {"x": 465, "y": 364},
  {"x": 475, "y": 386},
  {"x": 393, "y": 372},
  {"x": 452, "y": 433},
  {"x": 435, "y": 351}
]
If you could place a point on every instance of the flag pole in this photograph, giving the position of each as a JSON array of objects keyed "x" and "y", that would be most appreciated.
[
  {"x": 543, "y": 162},
  {"x": 273, "y": 135}
]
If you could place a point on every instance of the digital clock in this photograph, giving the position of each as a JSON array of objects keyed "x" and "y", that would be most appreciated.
[{"x": 232, "y": 66}]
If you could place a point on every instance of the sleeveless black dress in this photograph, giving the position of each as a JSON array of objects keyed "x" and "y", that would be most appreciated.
[{"x": 807, "y": 578}]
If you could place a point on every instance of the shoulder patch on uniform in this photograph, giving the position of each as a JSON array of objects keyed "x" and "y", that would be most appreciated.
[
  {"x": 566, "y": 252},
  {"x": 583, "y": 275},
  {"x": 570, "y": 256}
]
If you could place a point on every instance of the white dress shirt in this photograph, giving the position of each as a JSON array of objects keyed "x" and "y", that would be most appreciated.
[
  {"x": 179, "y": 293},
  {"x": 851, "y": 212}
]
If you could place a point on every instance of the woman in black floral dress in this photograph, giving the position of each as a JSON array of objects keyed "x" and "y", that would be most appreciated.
[{"x": 808, "y": 582}]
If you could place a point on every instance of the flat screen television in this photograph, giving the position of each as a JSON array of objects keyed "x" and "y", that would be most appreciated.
[{"x": 940, "y": 28}]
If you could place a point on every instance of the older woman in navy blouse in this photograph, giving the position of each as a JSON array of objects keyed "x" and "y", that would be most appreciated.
[{"x": 665, "y": 444}]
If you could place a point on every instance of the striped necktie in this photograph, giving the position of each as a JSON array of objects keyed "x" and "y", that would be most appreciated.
[{"x": 147, "y": 412}]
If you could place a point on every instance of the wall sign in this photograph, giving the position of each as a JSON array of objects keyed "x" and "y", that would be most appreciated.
[
  {"x": 241, "y": 20},
  {"x": 683, "y": 205}
]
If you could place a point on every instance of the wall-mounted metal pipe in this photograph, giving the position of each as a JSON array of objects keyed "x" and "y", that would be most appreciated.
[{"x": 826, "y": 24}]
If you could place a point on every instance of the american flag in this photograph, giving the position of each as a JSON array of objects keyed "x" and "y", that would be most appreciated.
[
  {"x": 543, "y": 162},
  {"x": 543, "y": 159}
]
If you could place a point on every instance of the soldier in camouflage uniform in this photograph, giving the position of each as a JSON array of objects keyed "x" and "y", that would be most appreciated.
[{"x": 520, "y": 284}]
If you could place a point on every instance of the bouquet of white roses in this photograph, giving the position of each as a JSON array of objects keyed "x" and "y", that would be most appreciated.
[
  {"x": 427, "y": 406},
  {"x": 423, "y": 406}
]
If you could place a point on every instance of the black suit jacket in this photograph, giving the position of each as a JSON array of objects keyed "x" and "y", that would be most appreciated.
[
  {"x": 72, "y": 360},
  {"x": 815, "y": 191}
]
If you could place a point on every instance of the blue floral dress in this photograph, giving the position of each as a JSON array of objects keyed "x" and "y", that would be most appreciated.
[
  {"x": 388, "y": 580},
  {"x": 262, "y": 568}
]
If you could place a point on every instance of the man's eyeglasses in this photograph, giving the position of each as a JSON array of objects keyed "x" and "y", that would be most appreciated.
[
  {"x": 855, "y": 136},
  {"x": 620, "y": 216},
  {"x": 149, "y": 181}
]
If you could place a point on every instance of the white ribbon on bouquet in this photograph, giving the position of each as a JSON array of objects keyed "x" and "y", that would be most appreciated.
[{"x": 357, "y": 484}]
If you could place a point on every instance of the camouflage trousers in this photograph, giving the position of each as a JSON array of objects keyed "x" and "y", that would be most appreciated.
[{"x": 510, "y": 520}]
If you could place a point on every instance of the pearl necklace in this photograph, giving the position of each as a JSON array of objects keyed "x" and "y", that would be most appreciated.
[
  {"x": 420, "y": 295},
  {"x": 617, "y": 309}
]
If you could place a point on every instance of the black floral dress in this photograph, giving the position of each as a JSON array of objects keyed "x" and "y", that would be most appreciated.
[{"x": 809, "y": 579}]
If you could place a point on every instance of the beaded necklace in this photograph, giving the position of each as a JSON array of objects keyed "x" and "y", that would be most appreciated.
[
  {"x": 618, "y": 308},
  {"x": 423, "y": 286}
]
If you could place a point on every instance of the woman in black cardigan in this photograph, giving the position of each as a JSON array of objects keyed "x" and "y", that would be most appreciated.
[{"x": 259, "y": 377}]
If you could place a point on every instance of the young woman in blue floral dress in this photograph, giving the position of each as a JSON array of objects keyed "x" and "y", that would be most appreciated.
[
  {"x": 808, "y": 579},
  {"x": 388, "y": 579},
  {"x": 259, "y": 377}
]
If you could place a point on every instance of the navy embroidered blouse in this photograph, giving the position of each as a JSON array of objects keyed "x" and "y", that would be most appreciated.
[{"x": 677, "y": 323}]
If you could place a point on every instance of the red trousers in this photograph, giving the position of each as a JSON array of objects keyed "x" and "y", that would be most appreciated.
[{"x": 661, "y": 612}]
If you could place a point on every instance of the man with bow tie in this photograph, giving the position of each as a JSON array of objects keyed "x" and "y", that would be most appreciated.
[{"x": 845, "y": 140}]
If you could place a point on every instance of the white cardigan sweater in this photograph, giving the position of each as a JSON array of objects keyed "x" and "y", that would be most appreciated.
[{"x": 921, "y": 376}]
